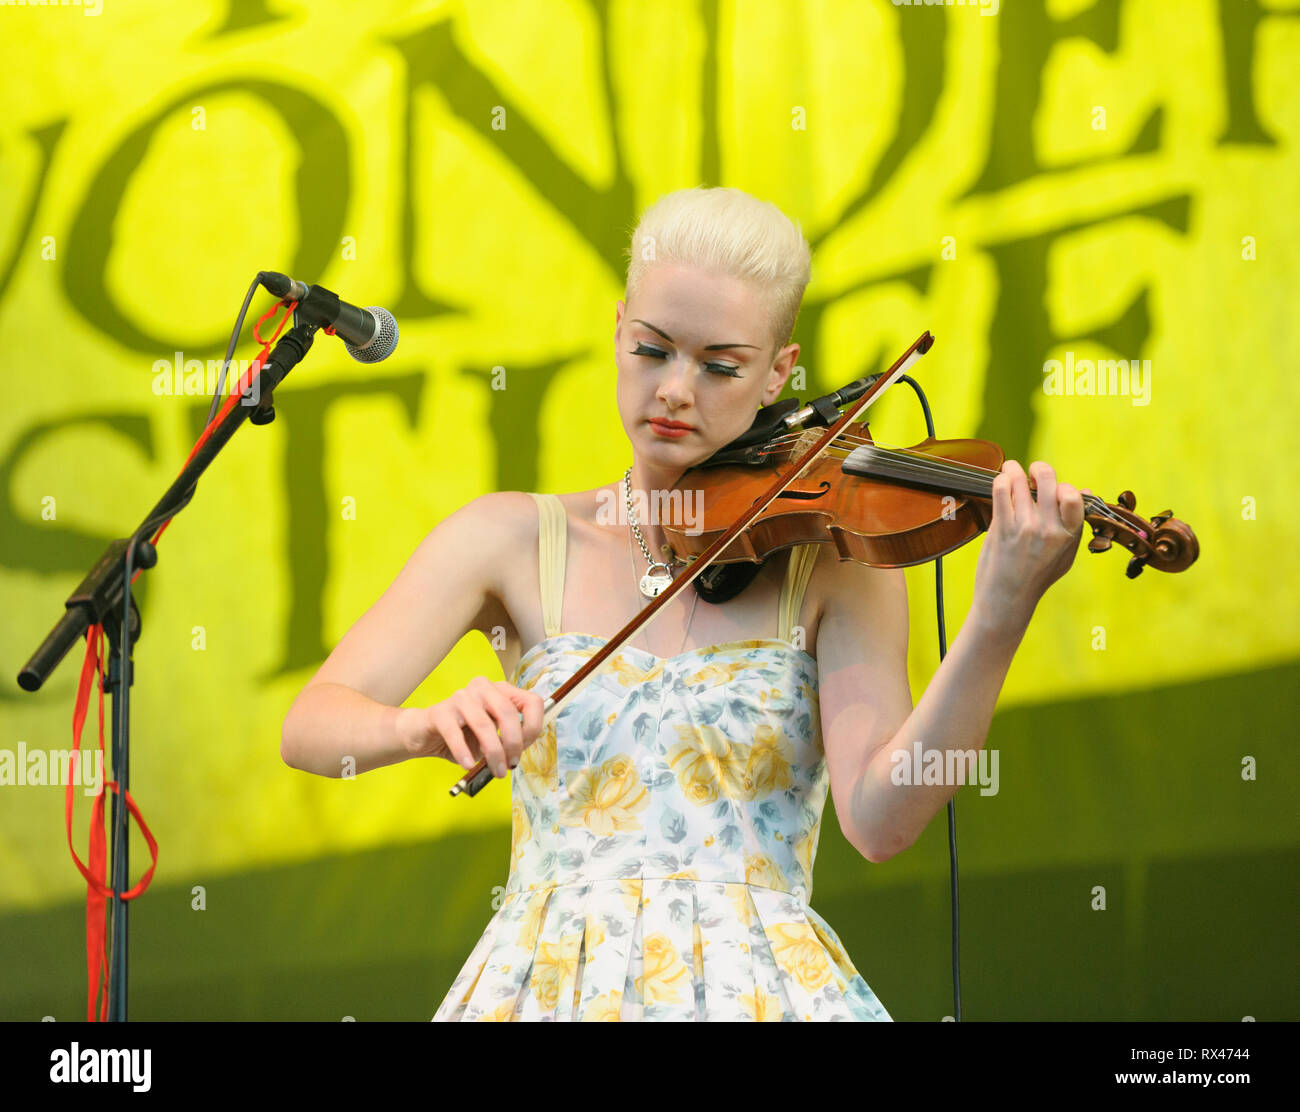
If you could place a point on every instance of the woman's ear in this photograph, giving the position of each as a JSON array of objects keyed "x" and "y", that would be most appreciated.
[{"x": 782, "y": 367}]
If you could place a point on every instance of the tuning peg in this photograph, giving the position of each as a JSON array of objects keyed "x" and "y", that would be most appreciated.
[
  {"x": 1134, "y": 568},
  {"x": 1127, "y": 500},
  {"x": 1099, "y": 544}
]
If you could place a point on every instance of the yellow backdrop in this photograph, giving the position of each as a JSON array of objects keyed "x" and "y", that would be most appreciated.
[{"x": 1067, "y": 181}]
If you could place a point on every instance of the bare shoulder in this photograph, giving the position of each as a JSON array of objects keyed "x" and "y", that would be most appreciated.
[
  {"x": 456, "y": 581},
  {"x": 848, "y": 589},
  {"x": 474, "y": 547},
  {"x": 503, "y": 515},
  {"x": 834, "y": 576}
]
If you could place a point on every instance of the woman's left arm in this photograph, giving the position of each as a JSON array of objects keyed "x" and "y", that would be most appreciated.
[{"x": 866, "y": 710}]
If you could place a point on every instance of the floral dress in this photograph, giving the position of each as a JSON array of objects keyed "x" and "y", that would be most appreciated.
[{"x": 664, "y": 827}]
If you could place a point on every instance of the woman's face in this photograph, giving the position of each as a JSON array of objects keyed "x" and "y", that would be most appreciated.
[{"x": 694, "y": 348}]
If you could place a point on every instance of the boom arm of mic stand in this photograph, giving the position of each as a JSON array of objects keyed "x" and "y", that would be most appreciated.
[{"x": 100, "y": 592}]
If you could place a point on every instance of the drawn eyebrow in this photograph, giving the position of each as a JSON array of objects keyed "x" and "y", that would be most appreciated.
[{"x": 708, "y": 347}]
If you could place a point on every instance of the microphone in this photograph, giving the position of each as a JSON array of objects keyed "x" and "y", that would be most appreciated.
[
  {"x": 825, "y": 411},
  {"x": 370, "y": 335}
]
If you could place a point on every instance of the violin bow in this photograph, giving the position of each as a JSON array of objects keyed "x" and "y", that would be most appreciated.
[{"x": 480, "y": 774}]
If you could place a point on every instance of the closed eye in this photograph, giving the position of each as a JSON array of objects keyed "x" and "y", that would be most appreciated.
[{"x": 655, "y": 353}]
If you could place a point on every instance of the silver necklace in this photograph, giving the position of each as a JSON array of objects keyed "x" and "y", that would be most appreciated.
[
  {"x": 653, "y": 583},
  {"x": 690, "y": 618}
]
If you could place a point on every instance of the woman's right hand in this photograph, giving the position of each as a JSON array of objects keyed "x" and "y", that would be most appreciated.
[{"x": 480, "y": 720}]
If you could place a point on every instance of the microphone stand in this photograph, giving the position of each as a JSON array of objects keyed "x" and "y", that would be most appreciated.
[{"x": 104, "y": 597}]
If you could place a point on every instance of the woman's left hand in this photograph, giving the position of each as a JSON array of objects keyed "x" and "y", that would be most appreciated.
[{"x": 1030, "y": 543}]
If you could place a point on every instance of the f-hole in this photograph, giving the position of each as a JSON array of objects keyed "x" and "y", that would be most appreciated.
[{"x": 806, "y": 495}]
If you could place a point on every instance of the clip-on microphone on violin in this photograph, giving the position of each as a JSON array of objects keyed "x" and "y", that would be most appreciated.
[{"x": 722, "y": 582}]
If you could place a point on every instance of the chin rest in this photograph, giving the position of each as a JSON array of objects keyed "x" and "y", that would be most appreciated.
[
  {"x": 725, "y": 581},
  {"x": 766, "y": 424}
]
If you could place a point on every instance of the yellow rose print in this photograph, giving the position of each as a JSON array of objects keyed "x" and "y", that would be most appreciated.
[
  {"x": 470, "y": 991},
  {"x": 555, "y": 963},
  {"x": 630, "y": 890},
  {"x": 538, "y": 764},
  {"x": 628, "y": 673},
  {"x": 768, "y": 767},
  {"x": 803, "y": 852},
  {"x": 664, "y": 972},
  {"x": 520, "y": 832},
  {"x": 762, "y": 1007},
  {"x": 503, "y": 1014},
  {"x": 531, "y": 923},
  {"x": 698, "y": 946},
  {"x": 707, "y": 764},
  {"x": 604, "y": 1008},
  {"x": 605, "y": 799},
  {"x": 833, "y": 948},
  {"x": 719, "y": 673},
  {"x": 741, "y": 901},
  {"x": 595, "y": 934},
  {"x": 763, "y": 871},
  {"x": 798, "y": 952}
]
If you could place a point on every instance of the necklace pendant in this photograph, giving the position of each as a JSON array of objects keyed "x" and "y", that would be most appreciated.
[{"x": 653, "y": 583}]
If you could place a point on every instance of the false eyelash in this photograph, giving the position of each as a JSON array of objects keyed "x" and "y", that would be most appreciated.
[{"x": 653, "y": 353}]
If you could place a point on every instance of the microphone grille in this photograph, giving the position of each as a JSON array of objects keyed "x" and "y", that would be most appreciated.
[{"x": 382, "y": 343}]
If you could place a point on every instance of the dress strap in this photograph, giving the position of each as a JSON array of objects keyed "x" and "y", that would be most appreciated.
[
  {"x": 552, "y": 538},
  {"x": 797, "y": 574}
]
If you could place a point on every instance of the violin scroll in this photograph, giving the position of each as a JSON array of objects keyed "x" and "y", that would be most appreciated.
[{"x": 1164, "y": 542}]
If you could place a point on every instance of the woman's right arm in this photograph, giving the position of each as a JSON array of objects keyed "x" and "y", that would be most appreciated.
[{"x": 349, "y": 718}]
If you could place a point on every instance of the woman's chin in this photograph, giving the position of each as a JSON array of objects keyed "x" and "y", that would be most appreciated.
[{"x": 686, "y": 451}]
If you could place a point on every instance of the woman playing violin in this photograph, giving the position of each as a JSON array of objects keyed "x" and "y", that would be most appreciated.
[{"x": 665, "y": 819}]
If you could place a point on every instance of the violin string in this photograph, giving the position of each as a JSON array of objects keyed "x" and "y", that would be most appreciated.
[
  {"x": 928, "y": 467},
  {"x": 924, "y": 465},
  {"x": 922, "y": 462},
  {"x": 918, "y": 460},
  {"x": 971, "y": 468},
  {"x": 933, "y": 470},
  {"x": 860, "y": 441},
  {"x": 932, "y": 466}
]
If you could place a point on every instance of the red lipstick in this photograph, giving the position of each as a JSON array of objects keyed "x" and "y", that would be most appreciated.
[{"x": 673, "y": 430}]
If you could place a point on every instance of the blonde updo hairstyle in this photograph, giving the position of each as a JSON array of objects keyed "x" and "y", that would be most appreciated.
[{"x": 723, "y": 229}]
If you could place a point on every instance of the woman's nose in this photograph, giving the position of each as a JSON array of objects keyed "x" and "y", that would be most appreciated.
[{"x": 675, "y": 387}]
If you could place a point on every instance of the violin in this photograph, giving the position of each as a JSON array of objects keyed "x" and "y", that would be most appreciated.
[
  {"x": 774, "y": 487},
  {"x": 884, "y": 507}
]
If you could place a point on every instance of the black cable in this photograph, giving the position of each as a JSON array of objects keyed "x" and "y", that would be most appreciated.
[
  {"x": 230, "y": 347},
  {"x": 952, "y": 809},
  {"x": 171, "y": 511}
]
